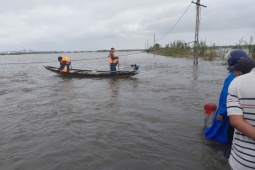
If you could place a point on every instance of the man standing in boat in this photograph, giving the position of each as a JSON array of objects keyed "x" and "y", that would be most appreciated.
[
  {"x": 113, "y": 60},
  {"x": 64, "y": 61}
]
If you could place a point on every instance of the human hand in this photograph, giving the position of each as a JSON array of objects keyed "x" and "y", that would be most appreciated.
[{"x": 219, "y": 118}]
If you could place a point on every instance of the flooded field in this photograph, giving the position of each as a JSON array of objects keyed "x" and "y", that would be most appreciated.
[{"x": 151, "y": 121}]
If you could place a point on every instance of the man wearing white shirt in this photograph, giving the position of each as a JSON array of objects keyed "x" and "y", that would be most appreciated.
[{"x": 241, "y": 111}]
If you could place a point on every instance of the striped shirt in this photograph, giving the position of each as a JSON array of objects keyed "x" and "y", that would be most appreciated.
[{"x": 241, "y": 101}]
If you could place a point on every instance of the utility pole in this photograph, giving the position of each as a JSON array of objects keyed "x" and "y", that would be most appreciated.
[
  {"x": 154, "y": 44},
  {"x": 196, "y": 44},
  {"x": 154, "y": 40}
]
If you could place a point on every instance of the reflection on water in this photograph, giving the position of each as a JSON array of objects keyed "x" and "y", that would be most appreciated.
[
  {"x": 195, "y": 71},
  {"x": 151, "y": 121},
  {"x": 114, "y": 86}
]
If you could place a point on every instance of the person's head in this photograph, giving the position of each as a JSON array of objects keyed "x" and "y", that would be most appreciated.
[
  {"x": 59, "y": 58},
  {"x": 112, "y": 50},
  {"x": 243, "y": 66},
  {"x": 233, "y": 56}
]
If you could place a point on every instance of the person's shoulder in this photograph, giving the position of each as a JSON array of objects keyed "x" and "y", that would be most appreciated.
[
  {"x": 242, "y": 80},
  {"x": 230, "y": 76},
  {"x": 245, "y": 76}
]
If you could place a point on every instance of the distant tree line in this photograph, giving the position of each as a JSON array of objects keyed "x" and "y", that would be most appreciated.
[
  {"x": 249, "y": 46},
  {"x": 179, "y": 48}
]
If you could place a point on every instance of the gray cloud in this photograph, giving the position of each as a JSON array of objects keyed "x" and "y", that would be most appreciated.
[{"x": 99, "y": 24}]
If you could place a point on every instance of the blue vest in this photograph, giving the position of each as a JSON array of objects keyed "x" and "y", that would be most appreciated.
[{"x": 218, "y": 130}]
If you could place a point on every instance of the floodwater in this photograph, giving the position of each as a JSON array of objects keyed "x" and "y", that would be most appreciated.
[{"x": 152, "y": 121}]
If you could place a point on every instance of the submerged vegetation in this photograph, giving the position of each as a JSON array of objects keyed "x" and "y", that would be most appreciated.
[
  {"x": 248, "y": 46},
  {"x": 180, "y": 48}
]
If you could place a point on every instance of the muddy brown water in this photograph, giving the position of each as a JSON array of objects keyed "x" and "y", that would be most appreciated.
[{"x": 151, "y": 121}]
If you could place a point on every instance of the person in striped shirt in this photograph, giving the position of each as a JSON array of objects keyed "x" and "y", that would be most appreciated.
[{"x": 241, "y": 112}]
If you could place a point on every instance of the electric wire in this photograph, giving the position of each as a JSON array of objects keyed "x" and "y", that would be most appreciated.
[{"x": 175, "y": 23}]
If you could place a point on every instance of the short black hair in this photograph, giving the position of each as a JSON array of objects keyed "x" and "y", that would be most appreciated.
[
  {"x": 245, "y": 65},
  {"x": 112, "y": 48}
]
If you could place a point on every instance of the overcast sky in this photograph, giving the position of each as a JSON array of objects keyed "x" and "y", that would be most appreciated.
[{"x": 123, "y": 24}]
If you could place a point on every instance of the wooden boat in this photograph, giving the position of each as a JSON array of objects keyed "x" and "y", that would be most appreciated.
[{"x": 95, "y": 73}]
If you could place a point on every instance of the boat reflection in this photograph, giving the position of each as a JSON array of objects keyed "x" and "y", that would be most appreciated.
[{"x": 114, "y": 86}]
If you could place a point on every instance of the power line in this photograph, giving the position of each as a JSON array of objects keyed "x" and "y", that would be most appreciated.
[{"x": 175, "y": 23}]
